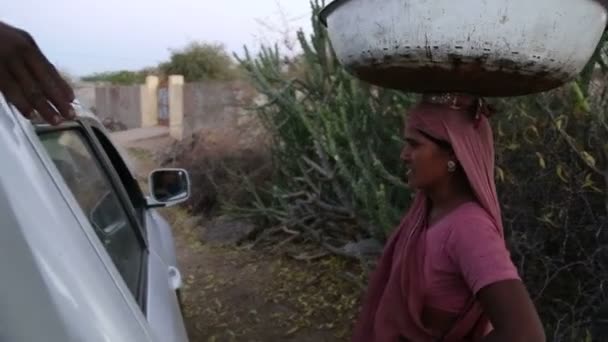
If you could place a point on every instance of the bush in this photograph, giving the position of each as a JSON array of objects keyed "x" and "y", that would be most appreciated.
[
  {"x": 336, "y": 146},
  {"x": 218, "y": 161},
  {"x": 123, "y": 77},
  {"x": 552, "y": 189},
  {"x": 201, "y": 61}
]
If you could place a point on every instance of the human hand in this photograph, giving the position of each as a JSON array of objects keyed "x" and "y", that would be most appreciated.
[{"x": 29, "y": 81}]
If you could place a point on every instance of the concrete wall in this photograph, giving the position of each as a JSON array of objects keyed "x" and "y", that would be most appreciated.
[
  {"x": 176, "y": 107},
  {"x": 121, "y": 103},
  {"x": 214, "y": 104},
  {"x": 85, "y": 93},
  {"x": 191, "y": 106},
  {"x": 86, "y": 96},
  {"x": 149, "y": 102}
]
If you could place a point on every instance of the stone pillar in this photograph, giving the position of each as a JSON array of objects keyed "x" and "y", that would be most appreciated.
[
  {"x": 176, "y": 106},
  {"x": 149, "y": 102}
]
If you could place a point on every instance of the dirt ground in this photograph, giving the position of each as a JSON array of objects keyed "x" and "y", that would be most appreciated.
[{"x": 234, "y": 293}]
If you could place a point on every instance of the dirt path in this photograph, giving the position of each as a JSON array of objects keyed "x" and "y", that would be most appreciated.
[{"x": 236, "y": 294}]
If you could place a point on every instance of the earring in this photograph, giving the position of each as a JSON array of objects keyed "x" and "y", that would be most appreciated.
[{"x": 451, "y": 166}]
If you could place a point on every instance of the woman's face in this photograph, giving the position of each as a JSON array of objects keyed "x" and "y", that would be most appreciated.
[{"x": 426, "y": 161}]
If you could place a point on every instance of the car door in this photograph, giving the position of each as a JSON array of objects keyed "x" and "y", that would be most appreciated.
[
  {"x": 112, "y": 201},
  {"x": 164, "y": 277},
  {"x": 59, "y": 284}
]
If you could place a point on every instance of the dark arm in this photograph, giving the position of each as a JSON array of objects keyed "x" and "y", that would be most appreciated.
[
  {"x": 29, "y": 81},
  {"x": 512, "y": 313}
]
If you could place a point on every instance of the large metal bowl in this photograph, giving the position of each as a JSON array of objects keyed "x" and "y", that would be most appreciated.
[{"x": 484, "y": 47}]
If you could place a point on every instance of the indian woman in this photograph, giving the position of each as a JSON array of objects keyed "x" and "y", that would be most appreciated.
[{"x": 446, "y": 273}]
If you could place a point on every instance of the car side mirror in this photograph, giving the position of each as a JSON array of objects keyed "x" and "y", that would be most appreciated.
[{"x": 168, "y": 187}]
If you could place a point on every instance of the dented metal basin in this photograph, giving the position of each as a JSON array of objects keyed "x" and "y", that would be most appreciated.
[{"x": 484, "y": 47}]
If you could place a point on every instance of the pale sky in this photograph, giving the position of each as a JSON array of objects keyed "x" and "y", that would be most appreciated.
[{"x": 86, "y": 36}]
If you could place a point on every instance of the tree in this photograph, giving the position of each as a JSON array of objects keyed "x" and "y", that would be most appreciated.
[
  {"x": 201, "y": 61},
  {"x": 336, "y": 146}
]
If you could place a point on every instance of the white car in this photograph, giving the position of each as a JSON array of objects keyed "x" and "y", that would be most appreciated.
[{"x": 84, "y": 255}]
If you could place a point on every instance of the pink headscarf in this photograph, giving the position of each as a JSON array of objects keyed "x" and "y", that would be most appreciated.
[{"x": 392, "y": 309}]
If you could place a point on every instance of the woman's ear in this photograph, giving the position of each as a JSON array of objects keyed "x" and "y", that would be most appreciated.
[{"x": 453, "y": 160}]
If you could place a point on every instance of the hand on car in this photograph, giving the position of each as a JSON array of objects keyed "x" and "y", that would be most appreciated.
[{"x": 29, "y": 81}]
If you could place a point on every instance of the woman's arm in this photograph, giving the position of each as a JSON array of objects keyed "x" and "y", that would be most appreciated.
[
  {"x": 512, "y": 313},
  {"x": 480, "y": 254}
]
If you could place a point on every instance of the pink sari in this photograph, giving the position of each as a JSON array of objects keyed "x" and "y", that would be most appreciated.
[{"x": 393, "y": 306}]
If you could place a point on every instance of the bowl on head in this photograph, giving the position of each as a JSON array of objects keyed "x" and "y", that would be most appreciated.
[{"x": 487, "y": 48}]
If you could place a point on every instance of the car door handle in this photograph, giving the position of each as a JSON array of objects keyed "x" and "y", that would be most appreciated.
[{"x": 175, "y": 278}]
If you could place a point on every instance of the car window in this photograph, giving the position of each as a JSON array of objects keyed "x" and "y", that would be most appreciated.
[
  {"x": 123, "y": 172},
  {"x": 98, "y": 199}
]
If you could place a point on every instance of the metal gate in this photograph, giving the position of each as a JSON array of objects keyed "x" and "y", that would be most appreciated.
[{"x": 163, "y": 106}]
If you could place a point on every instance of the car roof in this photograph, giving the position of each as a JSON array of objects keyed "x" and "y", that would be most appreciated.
[
  {"x": 15, "y": 119},
  {"x": 81, "y": 112}
]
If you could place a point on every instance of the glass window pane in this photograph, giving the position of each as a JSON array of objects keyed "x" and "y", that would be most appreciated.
[{"x": 97, "y": 197}]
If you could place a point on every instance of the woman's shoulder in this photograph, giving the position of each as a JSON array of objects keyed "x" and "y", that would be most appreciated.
[
  {"x": 477, "y": 247},
  {"x": 471, "y": 211},
  {"x": 471, "y": 216}
]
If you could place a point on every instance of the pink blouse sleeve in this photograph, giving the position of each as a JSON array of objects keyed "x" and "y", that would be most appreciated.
[{"x": 476, "y": 248}]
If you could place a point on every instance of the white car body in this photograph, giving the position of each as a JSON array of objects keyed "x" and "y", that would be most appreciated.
[{"x": 59, "y": 282}]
